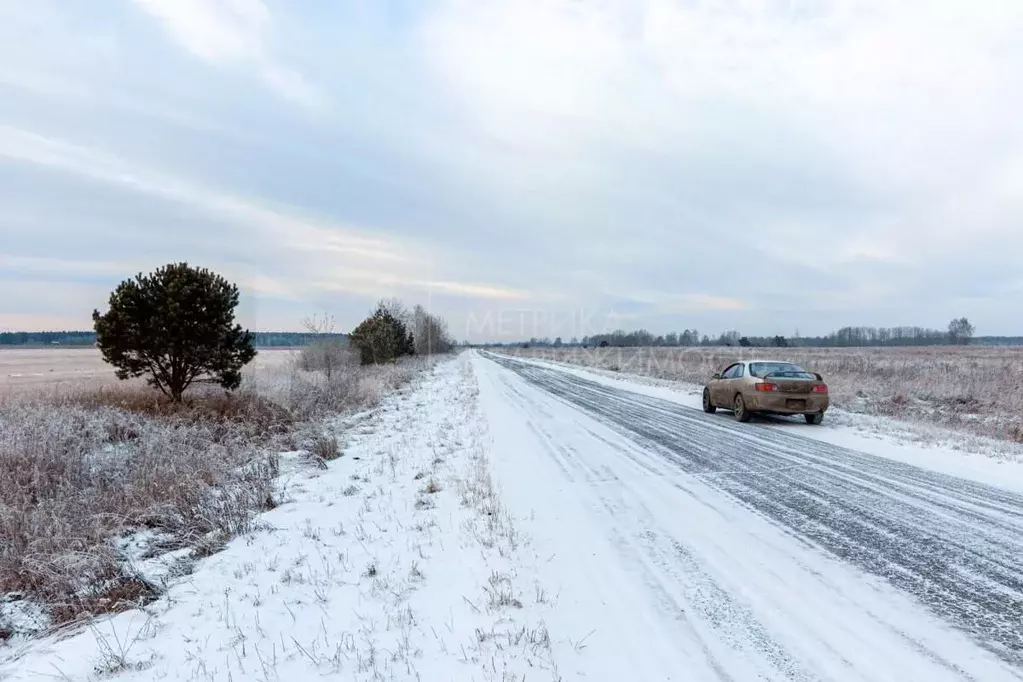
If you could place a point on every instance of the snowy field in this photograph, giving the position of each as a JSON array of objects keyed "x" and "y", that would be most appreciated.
[
  {"x": 508, "y": 520},
  {"x": 49, "y": 369}
]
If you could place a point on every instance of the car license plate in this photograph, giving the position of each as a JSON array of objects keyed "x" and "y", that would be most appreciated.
[{"x": 795, "y": 404}]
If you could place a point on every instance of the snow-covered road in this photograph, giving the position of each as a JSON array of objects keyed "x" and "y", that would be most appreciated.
[{"x": 691, "y": 547}]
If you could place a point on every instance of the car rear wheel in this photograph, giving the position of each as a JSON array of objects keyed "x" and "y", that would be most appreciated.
[
  {"x": 741, "y": 413},
  {"x": 708, "y": 406},
  {"x": 815, "y": 418}
]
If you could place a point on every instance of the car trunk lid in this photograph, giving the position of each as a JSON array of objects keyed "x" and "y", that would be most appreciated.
[{"x": 801, "y": 386}]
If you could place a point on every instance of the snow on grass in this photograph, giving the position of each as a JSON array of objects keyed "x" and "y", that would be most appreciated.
[
  {"x": 109, "y": 492},
  {"x": 395, "y": 560}
]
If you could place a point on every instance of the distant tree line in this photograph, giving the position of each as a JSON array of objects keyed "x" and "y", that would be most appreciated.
[
  {"x": 959, "y": 332},
  {"x": 65, "y": 338},
  {"x": 997, "y": 341},
  {"x": 84, "y": 338},
  {"x": 290, "y": 339}
]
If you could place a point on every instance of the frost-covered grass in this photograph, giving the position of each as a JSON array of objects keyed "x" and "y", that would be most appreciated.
[
  {"x": 96, "y": 481},
  {"x": 397, "y": 561},
  {"x": 974, "y": 388}
]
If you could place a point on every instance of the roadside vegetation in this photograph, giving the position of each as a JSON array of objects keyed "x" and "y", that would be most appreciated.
[
  {"x": 975, "y": 389},
  {"x": 108, "y": 492}
]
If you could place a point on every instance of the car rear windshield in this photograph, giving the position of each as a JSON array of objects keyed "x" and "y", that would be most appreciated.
[{"x": 780, "y": 370}]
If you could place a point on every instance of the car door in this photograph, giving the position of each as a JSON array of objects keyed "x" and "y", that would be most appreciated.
[
  {"x": 720, "y": 390},
  {"x": 737, "y": 384},
  {"x": 734, "y": 383}
]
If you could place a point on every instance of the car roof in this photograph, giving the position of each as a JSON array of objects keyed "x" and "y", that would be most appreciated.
[{"x": 783, "y": 362}]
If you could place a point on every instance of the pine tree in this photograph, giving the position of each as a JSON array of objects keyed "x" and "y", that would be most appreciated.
[{"x": 175, "y": 325}]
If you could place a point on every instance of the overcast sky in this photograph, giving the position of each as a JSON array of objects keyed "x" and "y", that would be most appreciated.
[{"x": 761, "y": 166}]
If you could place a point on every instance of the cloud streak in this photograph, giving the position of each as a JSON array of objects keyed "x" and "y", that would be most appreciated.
[
  {"x": 345, "y": 259},
  {"x": 232, "y": 34}
]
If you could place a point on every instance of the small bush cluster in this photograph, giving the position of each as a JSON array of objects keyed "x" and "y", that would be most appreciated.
[
  {"x": 328, "y": 355},
  {"x": 392, "y": 331},
  {"x": 382, "y": 337}
]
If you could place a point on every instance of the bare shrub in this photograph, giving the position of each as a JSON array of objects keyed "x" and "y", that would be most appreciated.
[
  {"x": 328, "y": 352},
  {"x": 324, "y": 447},
  {"x": 327, "y": 356},
  {"x": 310, "y": 395}
]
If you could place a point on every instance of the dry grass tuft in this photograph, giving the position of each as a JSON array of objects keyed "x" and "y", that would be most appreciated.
[{"x": 325, "y": 448}]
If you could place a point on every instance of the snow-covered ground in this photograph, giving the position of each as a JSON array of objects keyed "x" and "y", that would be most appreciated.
[
  {"x": 701, "y": 549},
  {"x": 986, "y": 460},
  {"x": 396, "y": 561},
  {"x": 517, "y": 521}
]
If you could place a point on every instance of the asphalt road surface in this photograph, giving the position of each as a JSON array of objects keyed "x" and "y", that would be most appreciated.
[{"x": 946, "y": 548}]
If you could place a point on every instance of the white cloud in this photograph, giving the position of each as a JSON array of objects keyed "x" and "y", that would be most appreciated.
[
  {"x": 232, "y": 33},
  {"x": 219, "y": 31}
]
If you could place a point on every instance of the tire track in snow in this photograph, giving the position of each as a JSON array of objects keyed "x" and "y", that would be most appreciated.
[
  {"x": 650, "y": 564},
  {"x": 954, "y": 545}
]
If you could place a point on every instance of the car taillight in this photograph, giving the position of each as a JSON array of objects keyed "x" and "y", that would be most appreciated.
[
  {"x": 820, "y": 388},
  {"x": 767, "y": 387}
]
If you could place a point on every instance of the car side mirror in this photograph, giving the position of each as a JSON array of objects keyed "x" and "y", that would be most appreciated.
[
  {"x": 819, "y": 377},
  {"x": 717, "y": 375}
]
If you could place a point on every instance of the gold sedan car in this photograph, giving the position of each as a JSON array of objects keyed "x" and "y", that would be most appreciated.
[{"x": 768, "y": 387}]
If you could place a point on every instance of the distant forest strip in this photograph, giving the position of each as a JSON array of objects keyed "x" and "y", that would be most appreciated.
[
  {"x": 960, "y": 333},
  {"x": 84, "y": 339}
]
